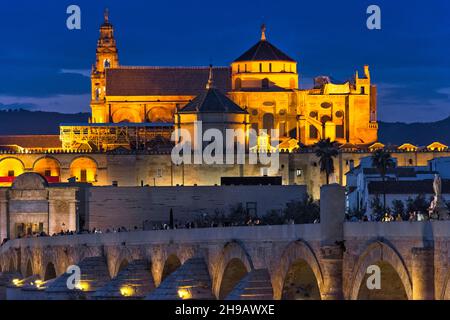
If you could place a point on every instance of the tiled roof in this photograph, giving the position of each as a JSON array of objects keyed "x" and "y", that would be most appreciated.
[
  {"x": 165, "y": 81},
  {"x": 32, "y": 141},
  {"x": 407, "y": 187},
  {"x": 264, "y": 51},
  {"x": 212, "y": 100}
]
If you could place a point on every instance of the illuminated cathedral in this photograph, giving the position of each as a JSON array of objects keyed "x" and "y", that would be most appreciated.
[{"x": 132, "y": 106}]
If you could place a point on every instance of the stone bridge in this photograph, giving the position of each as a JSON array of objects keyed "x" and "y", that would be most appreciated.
[{"x": 328, "y": 260}]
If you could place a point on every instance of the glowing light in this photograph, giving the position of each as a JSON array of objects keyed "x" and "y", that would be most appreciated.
[
  {"x": 38, "y": 283},
  {"x": 83, "y": 286},
  {"x": 126, "y": 291},
  {"x": 184, "y": 293},
  {"x": 16, "y": 282}
]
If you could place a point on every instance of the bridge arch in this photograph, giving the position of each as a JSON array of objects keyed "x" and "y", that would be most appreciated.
[
  {"x": 299, "y": 264},
  {"x": 391, "y": 265},
  {"x": 233, "y": 260},
  {"x": 50, "y": 271},
  {"x": 171, "y": 264}
]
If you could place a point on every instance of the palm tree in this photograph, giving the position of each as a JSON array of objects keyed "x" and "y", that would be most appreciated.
[
  {"x": 383, "y": 161},
  {"x": 326, "y": 151}
]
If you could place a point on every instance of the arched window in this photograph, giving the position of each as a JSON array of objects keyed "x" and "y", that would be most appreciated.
[
  {"x": 268, "y": 122},
  {"x": 107, "y": 63},
  {"x": 237, "y": 84},
  {"x": 313, "y": 132},
  {"x": 265, "y": 83}
]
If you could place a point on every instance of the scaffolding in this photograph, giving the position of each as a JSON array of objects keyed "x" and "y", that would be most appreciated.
[{"x": 105, "y": 137}]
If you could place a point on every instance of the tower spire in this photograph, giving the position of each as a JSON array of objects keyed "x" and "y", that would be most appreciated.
[
  {"x": 263, "y": 32},
  {"x": 106, "y": 15},
  {"x": 210, "y": 83}
]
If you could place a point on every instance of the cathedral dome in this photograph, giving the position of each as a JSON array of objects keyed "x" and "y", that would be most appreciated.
[{"x": 264, "y": 51}]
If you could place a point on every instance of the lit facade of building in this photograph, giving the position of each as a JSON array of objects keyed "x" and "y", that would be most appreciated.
[{"x": 263, "y": 81}]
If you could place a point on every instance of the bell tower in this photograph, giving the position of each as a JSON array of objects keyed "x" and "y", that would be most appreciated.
[{"x": 106, "y": 57}]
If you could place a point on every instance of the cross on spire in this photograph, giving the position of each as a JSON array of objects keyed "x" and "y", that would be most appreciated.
[
  {"x": 106, "y": 15},
  {"x": 263, "y": 32}
]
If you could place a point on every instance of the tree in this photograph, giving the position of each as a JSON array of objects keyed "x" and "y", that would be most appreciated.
[
  {"x": 377, "y": 209},
  {"x": 398, "y": 208},
  {"x": 304, "y": 211},
  {"x": 326, "y": 150},
  {"x": 419, "y": 203},
  {"x": 383, "y": 161}
]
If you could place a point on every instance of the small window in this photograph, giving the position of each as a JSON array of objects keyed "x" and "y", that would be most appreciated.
[
  {"x": 299, "y": 172},
  {"x": 11, "y": 173},
  {"x": 265, "y": 83},
  {"x": 159, "y": 173},
  {"x": 363, "y": 90},
  {"x": 239, "y": 68},
  {"x": 237, "y": 84},
  {"x": 107, "y": 63},
  {"x": 48, "y": 173},
  {"x": 260, "y": 67},
  {"x": 270, "y": 67},
  {"x": 245, "y": 68},
  {"x": 410, "y": 161}
]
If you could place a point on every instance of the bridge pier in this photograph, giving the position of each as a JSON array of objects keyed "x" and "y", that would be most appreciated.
[
  {"x": 423, "y": 273},
  {"x": 332, "y": 216}
]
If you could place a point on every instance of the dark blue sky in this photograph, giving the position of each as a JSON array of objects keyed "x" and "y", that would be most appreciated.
[{"x": 45, "y": 66}]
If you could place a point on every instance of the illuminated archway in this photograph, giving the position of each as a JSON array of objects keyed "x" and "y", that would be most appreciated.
[
  {"x": 300, "y": 283},
  {"x": 9, "y": 169},
  {"x": 123, "y": 265},
  {"x": 126, "y": 115},
  {"x": 160, "y": 114},
  {"x": 391, "y": 285},
  {"x": 49, "y": 168},
  {"x": 84, "y": 169},
  {"x": 172, "y": 264},
  {"x": 234, "y": 272},
  {"x": 232, "y": 250},
  {"x": 393, "y": 273},
  {"x": 299, "y": 275},
  {"x": 50, "y": 272}
]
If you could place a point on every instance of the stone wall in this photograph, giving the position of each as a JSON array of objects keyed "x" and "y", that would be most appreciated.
[{"x": 112, "y": 207}]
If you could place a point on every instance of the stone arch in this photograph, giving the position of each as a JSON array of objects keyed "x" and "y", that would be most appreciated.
[
  {"x": 296, "y": 251},
  {"x": 84, "y": 169},
  {"x": 160, "y": 114},
  {"x": 231, "y": 250},
  {"x": 50, "y": 271},
  {"x": 48, "y": 167},
  {"x": 123, "y": 265},
  {"x": 126, "y": 115},
  {"x": 29, "y": 269},
  {"x": 10, "y": 168},
  {"x": 379, "y": 252},
  {"x": 171, "y": 264}
]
